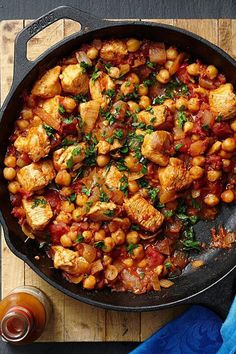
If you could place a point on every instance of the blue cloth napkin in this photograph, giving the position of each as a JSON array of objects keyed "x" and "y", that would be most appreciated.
[{"x": 198, "y": 330}]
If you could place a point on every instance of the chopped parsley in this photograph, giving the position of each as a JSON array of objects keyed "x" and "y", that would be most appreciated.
[
  {"x": 149, "y": 109},
  {"x": 95, "y": 75},
  {"x": 149, "y": 64},
  {"x": 68, "y": 120},
  {"x": 205, "y": 127},
  {"x": 76, "y": 151},
  {"x": 91, "y": 150},
  {"x": 168, "y": 213},
  {"x": 80, "y": 98},
  {"x": 181, "y": 116},
  {"x": 103, "y": 196},
  {"x": 130, "y": 248},
  {"x": 88, "y": 206},
  {"x": 72, "y": 197},
  {"x": 86, "y": 191},
  {"x": 84, "y": 66},
  {"x": 66, "y": 142},
  {"x": 49, "y": 130},
  {"x": 39, "y": 202},
  {"x": 189, "y": 242},
  {"x": 187, "y": 219},
  {"x": 80, "y": 238},
  {"x": 219, "y": 118},
  {"x": 153, "y": 194},
  {"x": 127, "y": 84},
  {"x": 119, "y": 134},
  {"x": 61, "y": 109},
  {"x": 109, "y": 213},
  {"x": 124, "y": 185},
  {"x": 99, "y": 244},
  {"x": 150, "y": 81},
  {"x": 178, "y": 146},
  {"x": 195, "y": 204},
  {"x": 70, "y": 162},
  {"x": 121, "y": 165},
  {"x": 110, "y": 93},
  {"x": 135, "y": 227},
  {"x": 110, "y": 118},
  {"x": 141, "y": 275},
  {"x": 159, "y": 99},
  {"x": 108, "y": 66},
  {"x": 168, "y": 265}
]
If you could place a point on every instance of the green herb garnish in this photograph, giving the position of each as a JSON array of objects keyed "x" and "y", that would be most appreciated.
[
  {"x": 49, "y": 130},
  {"x": 99, "y": 244},
  {"x": 109, "y": 213},
  {"x": 124, "y": 185},
  {"x": 103, "y": 196},
  {"x": 80, "y": 238},
  {"x": 181, "y": 116},
  {"x": 178, "y": 146},
  {"x": 39, "y": 202},
  {"x": 61, "y": 109},
  {"x": 72, "y": 197},
  {"x": 130, "y": 248}
]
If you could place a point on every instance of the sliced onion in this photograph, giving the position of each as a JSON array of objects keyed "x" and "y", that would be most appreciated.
[
  {"x": 157, "y": 53},
  {"x": 166, "y": 283},
  {"x": 156, "y": 283},
  {"x": 27, "y": 230},
  {"x": 96, "y": 266},
  {"x": 111, "y": 272},
  {"x": 89, "y": 252},
  {"x": 207, "y": 118},
  {"x": 206, "y": 83},
  {"x": 82, "y": 57},
  {"x": 135, "y": 175},
  {"x": 176, "y": 64}
]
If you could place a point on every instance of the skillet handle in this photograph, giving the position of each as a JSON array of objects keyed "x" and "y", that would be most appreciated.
[{"x": 88, "y": 22}]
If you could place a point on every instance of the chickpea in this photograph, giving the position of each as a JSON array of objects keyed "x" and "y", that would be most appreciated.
[
  {"x": 66, "y": 191},
  {"x": 111, "y": 272},
  {"x": 99, "y": 235},
  {"x": 14, "y": 187},
  {"x": 66, "y": 241},
  {"x": 215, "y": 148},
  {"x": 63, "y": 178},
  {"x": 225, "y": 155},
  {"x": 69, "y": 104},
  {"x": 133, "y": 186},
  {"x": 103, "y": 160},
  {"x": 127, "y": 87},
  {"x": 198, "y": 161},
  {"x": 193, "y": 69},
  {"x": 63, "y": 217},
  {"x": 109, "y": 244},
  {"x": 188, "y": 126},
  {"x": 142, "y": 90},
  {"x": 226, "y": 163},
  {"x": 211, "y": 72},
  {"x": 114, "y": 72},
  {"x": 36, "y": 121},
  {"x": 72, "y": 235},
  {"x": 181, "y": 102},
  {"x": 77, "y": 214},
  {"x": 229, "y": 144},
  {"x": 138, "y": 252},
  {"x": 81, "y": 199},
  {"x": 131, "y": 162},
  {"x": 67, "y": 206},
  {"x": 233, "y": 125},
  {"x": 143, "y": 263},
  {"x": 89, "y": 282},
  {"x": 118, "y": 236},
  {"x": 170, "y": 104},
  {"x": 195, "y": 137},
  {"x": 92, "y": 53},
  {"x": 128, "y": 262},
  {"x": 168, "y": 64},
  {"x": 163, "y": 76},
  {"x": 195, "y": 193},
  {"x": 227, "y": 196},
  {"x": 144, "y": 102},
  {"x": 107, "y": 260},
  {"x": 133, "y": 106},
  {"x": 9, "y": 173},
  {"x": 213, "y": 175},
  {"x": 196, "y": 172},
  {"x": 171, "y": 53},
  {"x": 193, "y": 104},
  {"x": 132, "y": 237},
  {"x": 87, "y": 235},
  {"x": 211, "y": 200},
  {"x": 133, "y": 45},
  {"x": 22, "y": 124},
  {"x": 132, "y": 77},
  {"x": 10, "y": 161},
  {"x": 27, "y": 113}
]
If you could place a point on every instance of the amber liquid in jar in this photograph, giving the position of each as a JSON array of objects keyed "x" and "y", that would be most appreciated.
[{"x": 24, "y": 314}]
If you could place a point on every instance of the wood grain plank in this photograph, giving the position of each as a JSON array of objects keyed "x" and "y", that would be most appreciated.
[
  {"x": 208, "y": 29},
  {"x": 55, "y": 332},
  {"x": 233, "y": 34},
  {"x": 123, "y": 326},
  {"x": 161, "y": 20},
  {"x": 225, "y": 35},
  {"x": 9, "y": 262}
]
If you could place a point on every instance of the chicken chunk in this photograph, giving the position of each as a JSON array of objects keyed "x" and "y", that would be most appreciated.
[
  {"x": 99, "y": 87},
  {"x": 173, "y": 178},
  {"x": 69, "y": 261},
  {"x": 89, "y": 113},
  {"x": 38, "y": 212},
  {"x": 70, "y": 157},
  {"x": 104, "y": 147},
  {"x": 143, "y": 213},
  {"x": 156, "y": 118},
  {"x": 156, "y": 147},
  {"x": 223, "y": 101},
  {"x": 113, "y": 50},
  {"x": 36, "y": 176},
  {"x": 113, "y": 178},
  {"x": 49, "y": 112},
  {"x": 49, "y": 84},
  {"x": 74, "y": 80},
  {"x": 36, "y": 143},
  {"x": 102, "y": 211}
]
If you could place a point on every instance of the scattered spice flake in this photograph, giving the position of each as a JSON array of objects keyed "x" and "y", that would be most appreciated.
[{"x": 222, "y": 238}]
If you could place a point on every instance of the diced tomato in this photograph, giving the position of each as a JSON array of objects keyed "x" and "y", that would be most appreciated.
[
  {"x": 54, "y": 199},
  {"x": 154, "y": 257},
  {"x": 185, "y": 144},
  {"x": 25, "y": 158},
  {"x": 183, "y": 75},
  {"x": 56, "y": 231},
  {"x": 164, "y": 246},
  {"x": 179, "y": 260},
  {"x": 222, "y": 129},
  {"x": 69, "y": 128},
  {"x": 214, "y": 161},
  {"x": 16, "y": 199}
]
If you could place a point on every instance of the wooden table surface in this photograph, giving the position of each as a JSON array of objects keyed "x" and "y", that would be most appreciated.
[{"x": 210, "y": 31}]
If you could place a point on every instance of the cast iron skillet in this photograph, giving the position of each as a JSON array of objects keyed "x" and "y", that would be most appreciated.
[{"x": 191, "y": 283}]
